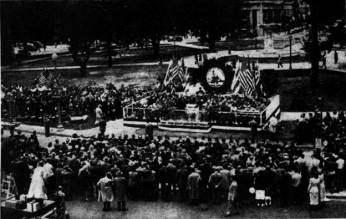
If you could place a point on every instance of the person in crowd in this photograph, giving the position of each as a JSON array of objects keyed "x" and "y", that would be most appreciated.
[
  {"x": 182, "y": 179},
  {"x": 214, "y": 183},
  {"x": 149, "y": 130},
  {"x": 133, "y": 184},
  {"x": 313, "y": 190},
  {"x": 336, "y": 57},
  {"x": 280, "y": 62},
  {"x": 85, "y": 180},
  {"x": 38, "y": 189},
  {"x": 340, "y": 172},
  {"x": 67, "y": 175},
  {"x": 21, "y": 175},
  {"x": 254, "y": 126},
  {"x": 260, "y": 188},
  {"x": 322, "y": 188},
  {"x": 120, "y": 191},
  {"x": 105, "y": 191},
  {"x": 296, "y": 187},
  {"x": 284, "y": 187},
  {"x": 233, "y": 203},
  {"x": 193, "y": 186}
]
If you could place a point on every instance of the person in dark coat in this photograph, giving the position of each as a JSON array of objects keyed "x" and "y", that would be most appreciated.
[
  {"x": 120, "y": 191},
  {"x": 182, "y": 178},
  {"x": 21, "y": 175},
  {"x": 162, "y": 179},
  {"x": 193, "y": 186},
  {"x": 215, "y": 180},
  {"x": 260, "y": 188},
  {"x": 284, "y": 187},
  {"x": 149, "y": 130}
]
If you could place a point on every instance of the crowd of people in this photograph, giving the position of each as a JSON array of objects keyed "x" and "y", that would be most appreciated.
[
  {"x": 34, "y": 102},
  {"x": 202, "y": 170}
]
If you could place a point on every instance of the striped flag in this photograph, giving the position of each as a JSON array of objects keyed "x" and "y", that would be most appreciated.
[
  {"x": 257, "y": 74},
  {"x": 247, "y": 80},
  {"x": 44, "y": 78},
  {"x": 173, "y": 71},
  {"x": 235, "y": 87}
]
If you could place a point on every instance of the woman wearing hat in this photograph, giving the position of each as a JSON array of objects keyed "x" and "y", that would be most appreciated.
[
  {"x": 105, "y": 191},
  {"x": 120, "y": 191}
]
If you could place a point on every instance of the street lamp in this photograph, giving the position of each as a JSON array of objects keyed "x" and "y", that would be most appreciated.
[
  {"x": 58, "y": 96},
  {"x": 174, "y": 40},
  {"x": 290, "y": 37},
  {"x": 54, "y": 58}
]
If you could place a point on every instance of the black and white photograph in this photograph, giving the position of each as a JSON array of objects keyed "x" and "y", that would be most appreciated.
[{"x": 173, "y": 109}]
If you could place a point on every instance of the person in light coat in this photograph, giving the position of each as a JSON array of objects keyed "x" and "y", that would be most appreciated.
[
  {"x": 105, "y": 191},
  {"x": 37, "y": 188}
]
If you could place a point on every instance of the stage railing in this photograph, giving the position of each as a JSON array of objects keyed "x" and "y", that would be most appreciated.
[{"x": 154, "y": 115}]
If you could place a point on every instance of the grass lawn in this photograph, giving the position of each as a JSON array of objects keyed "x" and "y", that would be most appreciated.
[
  {"x": 297, "y": 95},
  {"x": 132, "y": 55}
]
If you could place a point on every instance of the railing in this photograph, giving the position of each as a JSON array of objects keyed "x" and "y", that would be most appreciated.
[{"x": 154, "y": 115}]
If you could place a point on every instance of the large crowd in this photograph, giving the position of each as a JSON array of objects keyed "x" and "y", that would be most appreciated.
[
  {"x": 33, "y": 102},
  {"x": 201, "y": 170}
]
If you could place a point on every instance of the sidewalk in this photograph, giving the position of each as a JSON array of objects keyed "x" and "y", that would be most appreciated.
[
  {"x": 113, "y": 127},
  {"x": 89, "y": 67}
]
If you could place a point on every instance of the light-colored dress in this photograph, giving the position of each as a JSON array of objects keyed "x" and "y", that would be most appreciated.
[
  {"x": 322, "y": 187},
  {"x": 105, "y": 192},
  {"x": 37, "y": 187},
  {"x": 233, "y": 191},
  {"x": 314, "y": 190}
]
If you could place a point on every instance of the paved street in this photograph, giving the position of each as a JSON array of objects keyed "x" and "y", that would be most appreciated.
[{"x": 175, "y": 210}]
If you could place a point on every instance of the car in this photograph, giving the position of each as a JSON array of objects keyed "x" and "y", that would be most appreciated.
[
  {"x": 177, "y": 39},
  {"x": 38, "y": 44}
]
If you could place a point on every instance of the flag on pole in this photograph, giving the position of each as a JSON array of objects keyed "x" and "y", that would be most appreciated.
[
  {"x": 247, "y": 80},
  {"x": 235, "y": 87},
  {"x": 174, "y": 70},
  {"x": 44, "y": 78},
  {"x": 257, "y": 74}
]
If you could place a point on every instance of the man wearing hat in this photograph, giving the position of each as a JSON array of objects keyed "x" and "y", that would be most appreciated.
[
  {"x": 193, "y": 186},
  {"x": 215, "y": 181},
  {"x": 120, "y": 191}
]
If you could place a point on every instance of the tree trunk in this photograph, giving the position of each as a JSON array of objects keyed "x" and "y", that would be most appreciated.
[
  {"x": 109, "y": 53},
  {"x": 315, "y": 52},
  {"x": 83, "y": 67},
  {"x": 212, "y": 40},
  {"x": 155, "y": 41}
]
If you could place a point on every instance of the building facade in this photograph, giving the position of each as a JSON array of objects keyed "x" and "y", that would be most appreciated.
[{"x": 284, "y": 14}]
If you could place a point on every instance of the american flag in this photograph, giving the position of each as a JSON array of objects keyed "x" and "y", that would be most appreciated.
[
  {"x": 247, "y": 80},
  {"x": 44, "y": 78},
  {"x": 235, "y": 87},
  {"x": 173, "y": 71}
]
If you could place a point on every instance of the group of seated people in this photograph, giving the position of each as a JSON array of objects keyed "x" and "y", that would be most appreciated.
[
  {"x": 33, "y": 102},
  {"x": 199, "y": 170},
  {"x": 216, "y": 108}
]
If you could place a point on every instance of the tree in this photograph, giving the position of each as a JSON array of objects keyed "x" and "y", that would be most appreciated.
[
  {"x": 319, "y": 19},
  {"x": 28, "y": 21},
  {"x": 82, "y": 25},
  {"x": 215, "y": 18}
]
